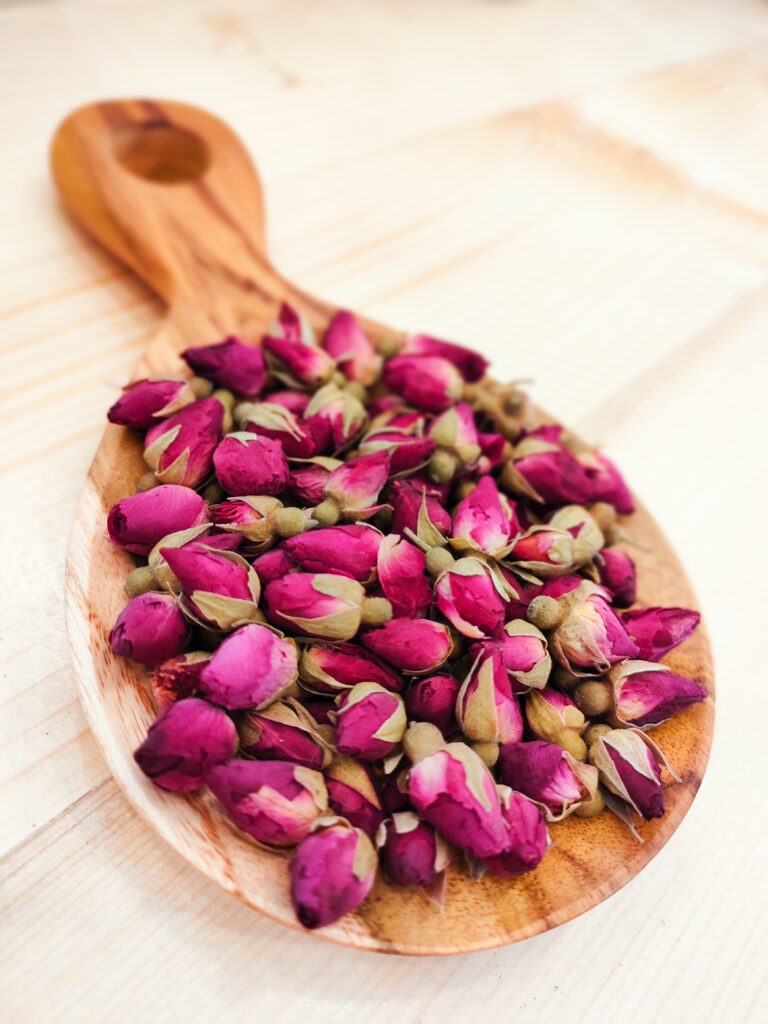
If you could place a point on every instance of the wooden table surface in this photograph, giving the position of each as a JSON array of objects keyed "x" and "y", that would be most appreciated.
[{"x": 580, "y": 190}]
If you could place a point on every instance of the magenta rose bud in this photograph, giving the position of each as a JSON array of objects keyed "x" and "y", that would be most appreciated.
[
  {"x": 348, "y": 345},
  {"x": 353, "y": 488},
  {"x": 273, "y": 565},
  {"x": 184, "y": 743},
  {"x": 550, "y": 473},
  {"x": 273, "y": 801},
  {"x": 527, "y": 837},
  {"x": 401, "y": 567},
  {"x": 250, "y": 669},
  {"x": 334, "y": 669},
  {"x": 220, "y": 586},
  {"x": 370, "y": 722},
  {"x": 433, "y": 699},
  {"x": 554, "y": 717},
  {"x": 251, "y": 517},
  {"x": 485, "y": 520},
  {"x": 468, "y": 596},
  {"x": 486, "y": 708},
  {"x": 285, "y": 731},
  {"x": 492, "y": 451},
  {"x": 316, "y": 604},
  {"x": 230, "y": 364},
  {"x": 352, "y": 794},
  {"x": 180, "y": 449},
  {"x": 411, "y": 851},
  {"x": 407, "y": 499},
  {"x": 415, "y": 646},
  {"x": 546, "y": 773},
  {"x": 656, "y": 631},
  {"x": 591, "y": 637},
  {"x": 308, "y": 480},
  {"x": 645, "y": 694},
  {"x": 150, "y": 629},
  {"x": 342, "y": 414},
  {"x": 302, "y": 363},
  {"x": 607, "y": 483},
  {"x": 523, "y": 652},
  {"x": 332, "y": 872},
  {"x": 250, "y": 464},
  {"x": 299, "y": 438},
  {"x": 430, "y": 383},
  {"x": 471, "y": 365},
  {"x": 617, "y": 574},
  {"x": 138, "y": 522},
  {"x": 345, "y": 550},
  {"x": 406, "y": 451},
  {"x": 544, "y": 552},
  {"x": 145, "y": 402},
  {"x": 294, "y": 401},
  {"x": 629, "y": 769},
  {"x": 177, "y": 678}
]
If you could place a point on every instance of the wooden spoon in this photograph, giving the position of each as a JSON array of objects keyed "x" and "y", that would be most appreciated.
[{"x": 171, "y": 191}]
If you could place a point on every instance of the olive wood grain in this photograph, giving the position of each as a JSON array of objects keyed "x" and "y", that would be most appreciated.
[{"x": 170, "y": 191}]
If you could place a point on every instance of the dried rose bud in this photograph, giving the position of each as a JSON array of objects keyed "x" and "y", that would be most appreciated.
[
  {"x": 523, "y": 652},
  {"x": 353, "y": 795},
  {"x": 470, "y": 597},
  {"x": 628, "y": 768},
  {"x": 334, "y": 669},
  {"x": 486, "y": 708},
  {"x": 415, "y": 646},
  {"x": 406, "y": 451},
  {"x": 321, "y": 710},
  {"x": 298, "y": 438},
  {"x": 273, "y": 565},
  {"x": 184, "y": 743},
  {"x": 230, "y": 364},
  {"x": 343, "y": 550},
  {"x": 454, "y": 792},
  {"x": 471, "y": 364},
  {"x": 547, "y": 472},
  {"x": 455, "y": 434},
  {"x": 343, "y": 414},
  {"x": 617, "y": 574},
  {"x": 300, "y": 363},
  {"x": 433, "y": 699},
  {"x": 294, "y": 401},
  {"x": 150, "y": 629},
  {"x": 554, "y": 717},
  {"x": 308, "y": 480},
  {"x": 251, "y": 668},
  {"x": 493, "y": 448},
  {"x": 249, "y": 464},
  {"x": 322, "y": 605},
  {"x": 587, "y": 536},
  {"x": 408, "y": 498},
  {"x": 544, "y": 552},
  {"x": 656, "y": 631},
  {"x": 177, "y": 678},
  {"x": 285, "y": 731},
  {"x": 347, "y": 343},
  {"x": 485, "y": 520},
  {"x": 273, "y": 801},
  {"x": 591, "y": 637},
  {"x": 253, "y": 517},
  {"x": 220, "y": 586},
  {"x": 353, "y": 489},
  {"x": 145, "y": 402},
  {"x": 400, "y": 567},
  {"x": 411, "y": 852},
  {"x": 546, "y": 773},
  {"x": 430, "y": 383},
  {"x": 332, "y": 872},
  {"x": 370, "y": 722},
  {"x": 138, "y": 522},
  {"x": 645, "y": 694},
  {"x": 180, "y": 449},
  {"x": 607, "y": 483},
  {"x": 527, "y": 836}
]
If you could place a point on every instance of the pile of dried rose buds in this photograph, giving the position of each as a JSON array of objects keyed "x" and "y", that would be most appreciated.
[{"x": 384, "y": 611}]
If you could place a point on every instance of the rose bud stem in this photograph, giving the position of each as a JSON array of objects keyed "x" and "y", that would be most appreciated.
[
  {"x": 389, "y": 347},
  {"x": 593, "y": 698},
  {"x": 464, "y": 489},
  {"x": 146, "y": 482},
  {"x": 591, "y": 807},
  {"x": 604, "y": 515},
  {"x": 327, "y": 513},
  {"x": 488, "y": 752},
  {"x": 442, "y": 466},
  {"x": 201, "y": 387},
  {"x": 213, "y": 493},
  {"x": 226, "y": 398},
  {"x": 563, "y": 679},
  {"x": 595, "y": 731},
  {"x": 545, "y": 612},
  {"x": 140, "y": 581},
  {"x": 289, "y": 522},
  {"x": 375, "y": 611},
  {"x": 422, "y": 739},
  {"x": 438, "y": 560}
]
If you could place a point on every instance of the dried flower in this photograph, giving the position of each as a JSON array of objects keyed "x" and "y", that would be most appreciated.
[
  {"x": 554, "y": 717},
  {"x": 343, "y": 550},
  {"x": 294, "y": 401},
  {"x": 400, "y": 567},
  {"x": 415, "y": 646},
  {"x": 322, "y": 605},
  {"x": 628, "y": 768},
  {"x": 656, "y": 631},
  {"x": 617, "y": 574},
  {"x": 527, "y": 836},
  {"x": 334, "y": 669},
  {"x": 471, "y": 364},
  {"x": 370, "y": 721},
  {"x": 544, "y": 552},
  {"x": 220, "y": 586},
  {"x": 408, "y": 498},
  {"x": 150, "y": 629},
  {"x": 591, "y": 637},
  {"x": 353, "y": 489},
  {"x": 285, "y": 731},
  {"x": 177, "y": 678},
  {"x": 342, "y": 412},
  {"x": 645, "y": 694},
  {"x": 546, "y": 773},
  {"x": 298, "y": 438},
  {"x": 180, "y": 449},
  {"x": 138, "y": 522},
  {"x": 273, "y": 565},
  {"x": 251, "y": 668},
  {"x": 607, "y": 483},
  {"x": 145, "y": 402},
  {"x": 309, "y": 479},
  {"x": 407, "y": 451},
  {"x": 587, "y": 536},
  {"x": 250, "y": 464},
  {"x": 433, "y": 699},
  {"x": 332, "y": 872},
  {"x": 230, "y": 364},
  {"x": 412, "y": 853},
  {"x": 455, "y": 432},
  {"x": 471, "y": 598},
  {"x": 298, "y": 362},
  {"x": 486, "y": 708},
  {"x": 485, "y": 520},
  {"x": 353, "y": 795},
  {"x": 347, "y": 343},
  {"x": 547, "y": 472},
  {"x": 523, "y": 652},
  {"x": 251, "y": 517},
  {"x": 430, "y": 383}
]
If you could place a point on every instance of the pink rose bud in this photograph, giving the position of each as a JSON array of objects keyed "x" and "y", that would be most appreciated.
[
  {"x": 251, "y": 517},
  {"x": 544, "y": 552},
  {"x": 355, "y": 485},
  {"x": 353, "y": 795},
  {"x": 407, "y": 451},
  {"x": 145, "y": 402},
  {"x": 150, "y": 629},
  {"x": 523, "y": 652},
  {"x": 273, "y": 801},
  {"x": 485, "y": 520},
  {"x": 184, "y": 743},
  {"x": 486, "y": 708},
  {"x": 426, "y": 382},
  {"x": 308, "y": 480},
  {"x": 180, "y": 449},
  {"x": 588, "y": 538},
  {"x": 370, "y": 722},
  {"x": 554, "y": 717},
  {"x": 411, "y": 851},
  {"x": 471, "y": 364},
  {"x": 332, "y": 872},
  {"x": 629, "y": 769},
  {"x": 547, "y": 774},
  {"x": 407, "y": 499},
  {"x": 607, "y": 483},
  {"x": 455, "y": 432},
  {"x": 316, "y": 604},
  {"x": 177, "y": 678},
  {"x": 334, "y": 669},
  {"x": 220, "y": 586},
  {"x": 549, "y": 473},
  {"x": 290, "y": 325},
  {"x": 433, "y": 699},
  {"x": 294, "y": 401},
  {"x": 342, "y": 413},
  {"x": 230, "y": 364},
  {"x": 617, "y": 574},
  {"x": 401, "y": 567},
  {"x": 415, "y": 646},
  {"x": 591, "y": 637},
  {"x": 250, "y": 669},
  {"x": 656, "y": 631},
  {"x": 285, "y": 731},
  {"x": 321, "y": 710},
  {"x": 645, "y": 694},
  {"x": 469, "y": 597},
  {"x": 527, "y": 837},
  {"x": 138, "y": 522},
  {"x": 299, "y": 438},
  {"x": 273, "y": 565},
  {"x": 454, "y": 792},
  {"x": 493, "y": 448},
  {"x": 249, "y": 464},
  {"x": 348, "y": 345},
  {"x": 345, "y": 550},
  {"x": 301, "y": 363}
]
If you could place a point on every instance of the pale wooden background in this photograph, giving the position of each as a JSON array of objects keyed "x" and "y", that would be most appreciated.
[{"x": 578, "y": 188}]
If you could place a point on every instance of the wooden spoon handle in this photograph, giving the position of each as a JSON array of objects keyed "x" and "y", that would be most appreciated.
[{"x": 171, "y": 191}]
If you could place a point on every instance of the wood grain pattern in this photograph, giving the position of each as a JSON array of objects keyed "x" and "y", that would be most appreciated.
[{"x": 170, "y": 191}]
